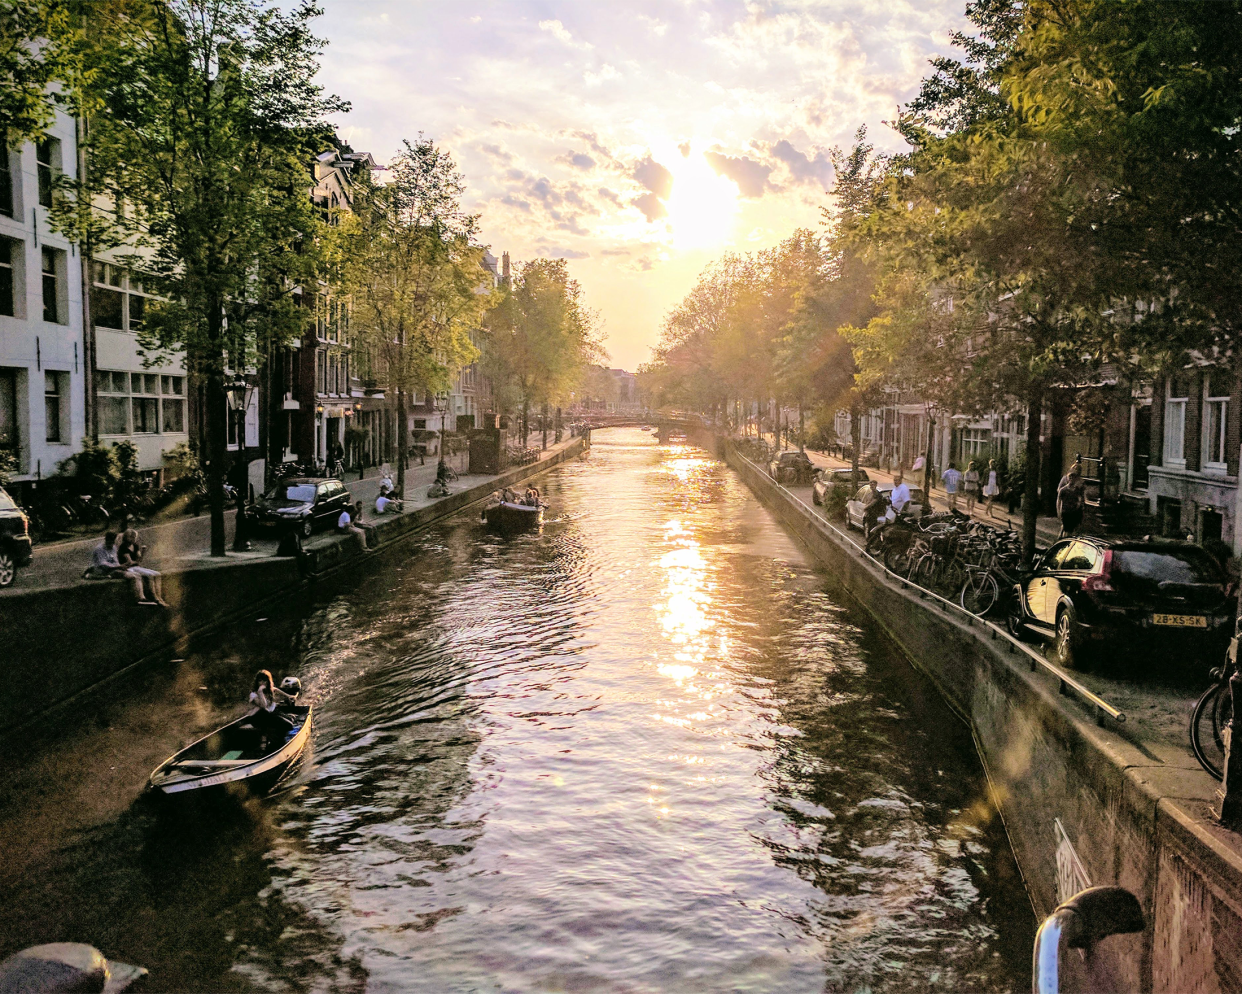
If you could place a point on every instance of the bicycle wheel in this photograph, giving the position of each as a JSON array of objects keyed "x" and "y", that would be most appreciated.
[
  {"x": 1207, "y": 728},
  {"x": 897, "y": 560},
  {"x": 924, "y": 572},
  {"x": 979, "y": 593}
]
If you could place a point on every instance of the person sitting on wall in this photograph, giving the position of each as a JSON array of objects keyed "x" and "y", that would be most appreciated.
[
  {"x": 129, "y": 553},
  {"x": 346, "y": 525},
  {"x": 386, "y": 502},
  {"x": 106, "y": 566}
]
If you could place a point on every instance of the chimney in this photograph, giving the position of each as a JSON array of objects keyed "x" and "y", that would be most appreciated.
[{"x": 504, "y": 266}]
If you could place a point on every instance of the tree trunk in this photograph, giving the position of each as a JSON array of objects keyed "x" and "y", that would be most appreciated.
[
  {"x": 217, "y": 434},
  {"x": 927, "y": 458},
  {"x": 525, "y": 421},
  {"x": 1030, "y": 499},
  {"x": 801, "y": 428},
  {"x": 402, "y": 431},
  {"x": 543, "y": 413}
]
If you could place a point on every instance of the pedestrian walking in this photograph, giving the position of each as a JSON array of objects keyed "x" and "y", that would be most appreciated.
[
  {"x": 970, "y": 483},
  {"x": 952, "y": 478},
  {"x": 1071, "y": 497},
  {"x": 991, "y": 489}
]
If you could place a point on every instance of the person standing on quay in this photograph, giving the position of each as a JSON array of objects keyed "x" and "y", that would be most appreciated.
[
  {"x": 991, "y": 489},
  {"x": 1070, "y": 500},
  {"x": 971, "y": 485},
  {"x": 952, "y": 480}
]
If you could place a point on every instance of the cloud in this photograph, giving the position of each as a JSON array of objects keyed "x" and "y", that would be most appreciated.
[
  {"x": 623, "y": 250},
  {"x": 497, "y": 154},
  {"x": 605, "y": 73},
  {"x": 654, "y": 25},
  {"x": 561, "y": 33},
  {"x": 564, "y": 253},
  {"x": 652, "y": 206},
  {"x": 610, "y": 195},
  {"x": 654, "y": 177},
  {"x": 750, "y": 176},
  {"x": 579, "y": 160},
  {"x": 803, "y": 168},
  {"x": 684, "y": 149}
]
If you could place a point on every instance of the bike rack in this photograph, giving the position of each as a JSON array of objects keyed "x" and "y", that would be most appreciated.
[{"x": 1065, "y": 682}]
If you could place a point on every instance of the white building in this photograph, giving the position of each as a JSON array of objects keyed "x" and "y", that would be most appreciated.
[{"x": 42, "y": 366}]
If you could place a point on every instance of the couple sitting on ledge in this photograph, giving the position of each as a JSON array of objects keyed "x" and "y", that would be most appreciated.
[{"x": 111, "y": 561}]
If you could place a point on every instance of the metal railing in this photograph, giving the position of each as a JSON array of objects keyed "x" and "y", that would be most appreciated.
[
  {"x": 1083, "y": 921},
  {"x": 1066, "y": 683}
]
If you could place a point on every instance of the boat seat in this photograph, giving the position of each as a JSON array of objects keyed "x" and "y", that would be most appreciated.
[{"x": 211, "y": 763}]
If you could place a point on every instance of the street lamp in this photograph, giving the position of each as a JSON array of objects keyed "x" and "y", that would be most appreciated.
[
  {"x": 239, "y": 394},
  {"x": 441, "y": 406}
]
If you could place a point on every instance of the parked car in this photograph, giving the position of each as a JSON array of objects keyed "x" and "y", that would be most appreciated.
[
  {"x": 830, "y": 479},
  {"x": 303, "y": 504},
  {"x": 862, "y": 510},
  {"x": 1167, "y": 597},
  {"x": 791, "y": 467},
  {"x": 15, "y": 546}
]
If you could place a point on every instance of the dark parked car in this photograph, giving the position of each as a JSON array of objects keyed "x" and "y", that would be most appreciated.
[
  {"x": 14, "y": 539},
  {"x": 1156, "y": 596},
  {"x": 830, "y": 479},
  {"x": 791, "y": 467},
  {"x": 303, "y": 504}
]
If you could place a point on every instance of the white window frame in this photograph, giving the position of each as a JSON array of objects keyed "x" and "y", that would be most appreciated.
[
  {"x": 1174, "y": 455},
  {"x": 1222, "y": 428}
]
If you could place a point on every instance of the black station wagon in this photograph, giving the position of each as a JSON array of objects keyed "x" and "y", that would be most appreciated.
[
  {"x": 303, "y": 504},
  {"x": 1088, "y": 593}
]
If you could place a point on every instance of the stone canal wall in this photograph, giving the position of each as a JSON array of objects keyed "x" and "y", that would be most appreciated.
[
  {"x": 1083, "y": 804},
  {"x": 59, "y": 643}
]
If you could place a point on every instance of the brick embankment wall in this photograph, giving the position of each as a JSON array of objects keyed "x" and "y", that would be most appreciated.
[
  {"x": 1133, "y": 813},
  {"x": 59, "y": 644}
]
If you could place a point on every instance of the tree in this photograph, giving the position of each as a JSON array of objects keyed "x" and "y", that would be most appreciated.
[
  {"x": 407, "y": 261},
  {"x": 197, "y": 115},
  {"x": 540, "y": 338},
  {"x": 29, "y": 62}
]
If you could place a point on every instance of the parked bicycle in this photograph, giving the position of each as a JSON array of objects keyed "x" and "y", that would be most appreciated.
[{"x": 1213, "y": 711}]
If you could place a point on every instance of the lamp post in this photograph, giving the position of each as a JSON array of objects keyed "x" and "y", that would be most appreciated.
[
  {"x": 441, "y": 407},
  {"x": 239, "y": 394}
]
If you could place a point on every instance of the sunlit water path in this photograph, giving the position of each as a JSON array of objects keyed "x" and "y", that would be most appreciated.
[{"x": 640, "y": 751}]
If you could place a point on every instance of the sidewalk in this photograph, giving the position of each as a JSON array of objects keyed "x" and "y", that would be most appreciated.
[
  {"x": 1047, "y": 529},
  {"x": 171, "y": 545}
]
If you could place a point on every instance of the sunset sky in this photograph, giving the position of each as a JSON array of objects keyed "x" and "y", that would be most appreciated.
[{"x": 639, "y": 140}]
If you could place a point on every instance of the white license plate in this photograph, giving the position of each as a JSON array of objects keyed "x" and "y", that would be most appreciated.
[{"x": 1180, "y": 620}]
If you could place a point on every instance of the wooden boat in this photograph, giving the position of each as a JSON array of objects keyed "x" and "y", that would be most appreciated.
[
  {"x": 510, "y": 517},
  {"x": 239, "y": 753}
]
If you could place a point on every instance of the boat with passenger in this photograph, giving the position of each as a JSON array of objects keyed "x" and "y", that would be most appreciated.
[
  {"x": 514, "y": 513},
  {"x": 253, "y": 752}
]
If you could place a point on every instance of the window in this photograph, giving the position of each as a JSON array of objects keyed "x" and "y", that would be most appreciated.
[
  {"x": 113, "y": 391},
  {"x": 321, "y": 371},
  {"x": 172, "y": 404},
  {"x": 6, "y": 277},
  {"x": 117, "y": 298},
  {"x": 1215, "y": 416},
  {"x": 976, "y": 442},
  {"x": 144, "y": 402},
  {"x": 55, "y": 399},
  {"x": 48, "y": 158},
  {"x": 6, "y": 181},
  {"x": 53, "y": 265},
  {"x": 1176, "y": 394},
  {"x": 140, "y": 403},
  {"x": 8, "y": 409}
]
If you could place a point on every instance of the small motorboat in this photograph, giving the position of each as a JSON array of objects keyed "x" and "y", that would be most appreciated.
[
  {"x": 240, "y": 753},
  {"x": 510, "y": 516}
]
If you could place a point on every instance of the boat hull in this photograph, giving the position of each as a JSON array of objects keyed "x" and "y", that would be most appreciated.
[
  {"x": 514, "y": 517},
  {"x": 257, "y": 775}
]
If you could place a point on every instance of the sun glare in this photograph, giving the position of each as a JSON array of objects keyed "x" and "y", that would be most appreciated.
[{"x": 702, "y": 205}]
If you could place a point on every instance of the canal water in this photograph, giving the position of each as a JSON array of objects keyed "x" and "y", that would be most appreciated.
[{"x": 643, "y": 750}]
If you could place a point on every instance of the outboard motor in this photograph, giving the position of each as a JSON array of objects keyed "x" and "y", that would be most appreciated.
[
  {"x": 63, "y": 967},
  {"x": 1081, "y": 922},
  {"x": 291, "y": 685}
]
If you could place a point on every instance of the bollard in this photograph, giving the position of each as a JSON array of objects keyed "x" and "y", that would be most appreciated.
[{"x": 1229, "y": 812}]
